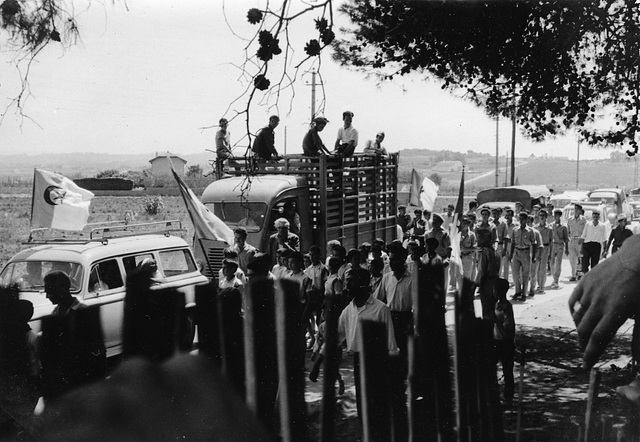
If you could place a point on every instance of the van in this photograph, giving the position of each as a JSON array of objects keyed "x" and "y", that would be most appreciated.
[{"x": 98, "y": 264}]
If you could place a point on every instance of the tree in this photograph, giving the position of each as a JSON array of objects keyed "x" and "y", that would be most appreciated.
[
  {"x": 194, "y": 171},
  {"x": 553, "y": 65}
]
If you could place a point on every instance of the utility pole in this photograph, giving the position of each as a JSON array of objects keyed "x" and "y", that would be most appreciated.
[
  {"x": 497, "y": 151},
  {"x": 513, "y": 148},
  {"x": 578, "y": 166},
  {"x": 313, "y": 95}
]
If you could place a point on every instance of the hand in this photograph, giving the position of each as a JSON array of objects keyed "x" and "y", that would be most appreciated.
[
  {"x": 566, "y": 252},
  {"x": 604, "y": 299}
]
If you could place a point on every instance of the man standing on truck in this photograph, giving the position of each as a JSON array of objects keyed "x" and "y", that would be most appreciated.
[
  {"x": 264, "y": 144},
  {"x": 347, "y": 140},
  {"x": 283, "y": 238},
  {"x": 312, "y": 145},
  {"x": 223, "y": 146}
]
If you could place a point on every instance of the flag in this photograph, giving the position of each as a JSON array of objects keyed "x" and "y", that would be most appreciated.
[
  {"x": 460, "y": 203},
  {"x": 428, "y": 194},
  {"x": 414, "y": 191},
  {"x": 58, "y": 203},
  {"x": 206, "y": 224},
  {"x": 454, "y": 232}
]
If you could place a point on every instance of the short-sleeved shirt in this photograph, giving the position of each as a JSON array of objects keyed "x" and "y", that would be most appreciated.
[
  {"x": 348, "y": 134},
  {"x": 523, "y": 238},
  {"x": 593, "y": 233},
  {"x": 318, "y": 275},
  {"x": 264, "y": 144},
  {"x": 223, "y": 144},
  {"x": 372, "y": 147},
  {"x": 559, "y": 235},
  {"x": 546, "y": 233},
  {"x": 618, "y": 236},
  {"x": 312, "y": 144},
  {"x": 444, "y": 242},
  {"x": 403, "y": 221},
  {"x": 372, "y": 310},
  {"x": 576, "y": 226},
  {"x": 467, "y": 243},
  {"x": 396, "y": 292}
]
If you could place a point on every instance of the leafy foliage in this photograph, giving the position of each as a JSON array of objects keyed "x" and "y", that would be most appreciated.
[
  {"x": 194, "y": 171},
  {"x": 554, "y": 64},
  {"x": 152, "y": 205}
]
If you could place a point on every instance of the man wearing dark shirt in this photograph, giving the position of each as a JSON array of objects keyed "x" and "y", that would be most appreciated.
[
  {"x": 264, "y": 144},
  {"x": 617, "y": 235},
  {"x": 312, "y": 145}
]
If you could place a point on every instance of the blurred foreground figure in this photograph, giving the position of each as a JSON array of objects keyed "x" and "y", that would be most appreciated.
[{"x": 184, "y": 398}]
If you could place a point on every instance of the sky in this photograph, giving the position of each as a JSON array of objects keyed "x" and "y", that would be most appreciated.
[{"x": 149, "y": 75}]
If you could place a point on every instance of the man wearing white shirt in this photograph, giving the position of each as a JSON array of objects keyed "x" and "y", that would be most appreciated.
[
  {"x": 593, "y": 236},
  {"x": 347, "y": 136}
]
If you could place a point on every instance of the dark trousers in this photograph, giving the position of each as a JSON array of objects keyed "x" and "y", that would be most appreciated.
[
  {"x": 590, "y": 255},
  {"x": 401, "y": 328},
  {"x": 356, "y": 380}
]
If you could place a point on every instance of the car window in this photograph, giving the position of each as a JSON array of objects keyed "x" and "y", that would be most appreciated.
[
  {"x": 29, "y": 275},
  {"x": 176, "y": 262},
  {"x": 105, "y": 276},
  {"x": 132, "y": 262}
]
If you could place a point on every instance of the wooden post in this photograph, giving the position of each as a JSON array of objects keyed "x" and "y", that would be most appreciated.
[
  {"x": 232, "y": 337},
  {"x": 592, "y": 397},
  {"x": 331, "y": 366},
  {"x": 291, "y": 354},
  {"x": 206, "y": 317},
  {"x": 261, "y": 350},
  {"x": 375, "y": 382}
]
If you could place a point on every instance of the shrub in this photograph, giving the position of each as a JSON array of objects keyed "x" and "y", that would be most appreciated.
[{"x": 152, "y": 205}]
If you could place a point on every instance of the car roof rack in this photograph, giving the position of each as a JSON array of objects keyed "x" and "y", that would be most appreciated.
[{"x": 103, "y": 231}]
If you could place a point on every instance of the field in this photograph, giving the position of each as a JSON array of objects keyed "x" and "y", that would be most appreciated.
[{"x": 15, "y": 217}]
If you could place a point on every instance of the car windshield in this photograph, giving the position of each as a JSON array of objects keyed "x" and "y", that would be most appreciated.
[
  {"x": 29, "y": 275},
  {"x": 604, "y": 197},
  {"x": 249, "y": 215}
]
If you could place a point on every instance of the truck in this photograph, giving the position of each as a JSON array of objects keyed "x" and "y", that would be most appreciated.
[
  {"x": 528, "y": 196},
  {"x": 352, "y": 200}
]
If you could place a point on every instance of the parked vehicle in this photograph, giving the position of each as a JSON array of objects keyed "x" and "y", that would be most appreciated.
[
  {"x": 528, "y": 196},
  {"x": 562, "y": 199},
  {"x": 98, "y": 265},
  {"x": 350, "y": 199},
  {"x": 614, "y": 198}
]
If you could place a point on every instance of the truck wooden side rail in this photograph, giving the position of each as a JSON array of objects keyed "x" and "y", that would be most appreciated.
[{"x": 353, "y": 200}]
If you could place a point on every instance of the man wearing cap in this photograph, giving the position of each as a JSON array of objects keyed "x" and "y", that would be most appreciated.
[
  {"x": 617, "y": 235},
  {"x": 559, "y": 244},
  {"x": 594, "y": 236},
  {"x": 312, "y": 145},
  {"x": 418, "y": 226},
  {"x": 575, "y": 227},
  {"x": 374, "y": 147},
  {"x": 467, "y": 249},
  {"x": 509, "y": 225},
  {"x": 448, "y": 217},
  {"x": 523, "y": 252},
  {"x": 347, "y": 140}
]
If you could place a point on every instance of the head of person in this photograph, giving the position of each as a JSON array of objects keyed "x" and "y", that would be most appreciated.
[
  {"x": 549, "y": 208},
  {"x": 508, "y": 214},
  {"x": 240, "y": 236},
  {"x": 282, "y": 226},
  {"x": 280, "y": 255},
  {"x": 450, "y": 209},
  {"x": 258, "y": 266},
  {"x": 522, "y": 218},
  {"x": 274, "y": 120},
  {"x": 535, "y": 209},
  {"x": 230, "y": 253},
  {"x": 380, "y": 137},
  {"x": 402, "y": 210},
  {"x": 595, "y": 216},
  {"x": 473, "y": 204},
  {"x": 485, "y": 212},
  {"x": 431, "y": 245},
  {"x": 364, "y": 253},
  {"x": 472, "y": 218},
  {"x": 518, "y": 206},
  {"x": 437, "y": 220},
  {"x": 307, "y": 260},
  {"x": 577, "y": 210},
  {"x": 223, "y": 123},
  {"x": 353, "y": 257},
  {"x": 57, "y": 286},
  {"x": 340, "y": 253},
  {"x": 530, "y": 220},
  {"x": 334, "y": 264},
  {"x": 496, "y": 213},
  {"x": 418, "y": 213},
  {"x": 376, "y": 251},
  {"x": 229, "y": 268},
  {"x": 375, "y": 266},
  {"x": 381, "y": 243},
  {"x": 622, "y": 220},
  {"x": 542, "y": 214},
  {"x": 396, "y": 247},
  {"x": 332, "y": 245},
  {"x": 296, "y": 262},
  {"x": 557, "y": 215},
  {"x": 286, "y": 255},
  {"x": 358, "y": 282},
  {"x": 417, "y": 252},
  {"x": 501, "y": 288},
  {"x": 314, "y": 254},
  {"x": 320, "y": 123},
  {"x": 464, "y": 224},
  {"x": 347, "y": 118}
]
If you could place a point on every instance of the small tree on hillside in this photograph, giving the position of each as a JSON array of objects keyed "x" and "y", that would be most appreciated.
[{"x": 194, "y": 171}]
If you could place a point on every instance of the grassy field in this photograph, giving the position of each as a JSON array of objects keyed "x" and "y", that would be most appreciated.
[{"x": 15, "y": 217}]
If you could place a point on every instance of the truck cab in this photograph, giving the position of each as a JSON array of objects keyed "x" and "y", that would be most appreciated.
[{"x": 350, "y": 199}]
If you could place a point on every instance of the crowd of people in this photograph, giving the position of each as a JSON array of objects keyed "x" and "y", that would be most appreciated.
[{"x": 263, "y": 147}]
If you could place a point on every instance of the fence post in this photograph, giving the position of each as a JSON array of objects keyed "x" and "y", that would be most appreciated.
[
  {"x": 232, "y": 337},
  {"x": 291, "y": 355},
  {"x": 375, "y": 383},
  {"x": 331, "y": 367},
  {"x": 206, "y": 316}
]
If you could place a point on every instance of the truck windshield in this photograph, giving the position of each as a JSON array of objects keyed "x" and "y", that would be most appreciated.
[
  {"x": 249, "y": 215},
  {"x": 29, "y": 275}
]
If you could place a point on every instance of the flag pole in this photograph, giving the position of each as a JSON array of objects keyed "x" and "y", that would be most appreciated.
[{"x": 33, "y": 194}]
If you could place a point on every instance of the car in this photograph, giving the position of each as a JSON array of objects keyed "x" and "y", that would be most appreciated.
[
  {"x": 615, "y": 199},
  {"x": 98, "y": 266},
  {"x": 562, "y": 199}
]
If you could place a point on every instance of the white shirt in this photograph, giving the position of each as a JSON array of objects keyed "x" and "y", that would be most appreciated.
[
  {"x": 593, "y": 233},
  {"x": 348, "y": 134},
  {"x": 372, "y": 310},
  {"x": 397, "y": 292}
]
